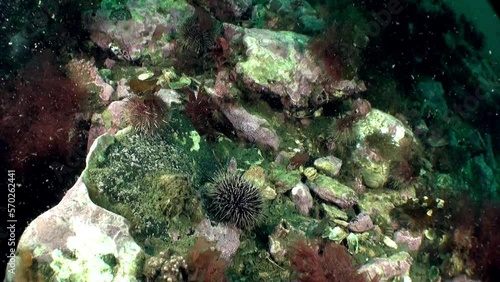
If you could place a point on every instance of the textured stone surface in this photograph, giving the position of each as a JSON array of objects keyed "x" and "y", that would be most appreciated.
[
  {"x": 250, "y": 127},
  {"x": 74, "y": 238},
  {"x": 361, "y": 223},
  {"x": 227, "y": 239},
  {"x": 333, "y": 191},
  {"x": 405, "y": 237},
  {"x": 374, "y": 168},
  {"x": 278, "y": 63},
  {"x": 385, "y": 268},
  {"x": 302, "y": 198},
  {"x": 329, "y": 165}
]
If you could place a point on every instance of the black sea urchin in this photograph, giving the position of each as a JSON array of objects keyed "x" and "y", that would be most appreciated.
[
  {"x": 146, "y": 114},
  {"x": 233, "y": 200}
]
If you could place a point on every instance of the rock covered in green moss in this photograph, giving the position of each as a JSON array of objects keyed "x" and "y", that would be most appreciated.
[
  {"x": 278, "y": 64},
  {"x": 333, "y": 191},
  {"x": 380, "y": 203},
  {"x": 328, "y": 165},
  {"x": 153, "y": 181},
  {"x": 374, "y": 160},
  {"x": 333, "y": 212}
]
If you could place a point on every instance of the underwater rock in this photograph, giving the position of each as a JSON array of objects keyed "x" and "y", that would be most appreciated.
[
  {"x": 85, "y": 74},
  {"x": 110, "y": 120},
  {"x": 378, "y": 121},
  {"x": 333, "y": 191},
  {"x": 277, "y": 64},
  {"x": 78, "y": 240},
  {"x": 334, "y": 213},
  {"x": 361, "y": 223},
  {"x": 123, "y": 89},
  {"x": 140, "y": 33},
  {"x": 224, "y": 87},
  {"x": 256, "y": 175},
  {"x": 405, "y": 237},
  {"x": 352, "y": 243},
  {"x": 283, "y": 179},
  {"x": 250, "y": 127},
  {"x": 329, "y": 165},
  {"x": 381, "y": 204},
  {"x": 227, "y": 239},
  {"x": 302, "y": 198},
  {"x": 385, "y": 268},
  {"x": 374, "y": 167}
]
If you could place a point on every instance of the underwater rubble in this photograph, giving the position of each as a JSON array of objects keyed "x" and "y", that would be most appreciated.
[{"x": 322, "y": 166}]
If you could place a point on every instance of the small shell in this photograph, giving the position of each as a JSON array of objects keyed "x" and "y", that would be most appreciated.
[
  {"x": 311, "y": 173},
  {"x": 430, "y": 234},
  {"x": 352, "y": 243},
  {"x": 145, "y": 76},
  {"x": 390, "y": 243},
  {"x": 336, "y": 234}
]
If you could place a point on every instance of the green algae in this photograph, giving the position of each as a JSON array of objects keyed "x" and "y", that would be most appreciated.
[{"x": 152, "y": 181}]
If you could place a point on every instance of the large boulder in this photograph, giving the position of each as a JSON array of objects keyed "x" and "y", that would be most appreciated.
[
  {"x": 78, "y": 241},
  {"x": 278, "y": 64}
]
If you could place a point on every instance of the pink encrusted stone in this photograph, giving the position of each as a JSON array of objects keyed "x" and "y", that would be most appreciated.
[
  {"x": 405, "y": 237},
  {"x": 361, "y": 223},
  {"x": 385, "y": 268}
]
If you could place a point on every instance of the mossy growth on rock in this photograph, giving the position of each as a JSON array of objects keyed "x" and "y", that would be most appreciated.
[
  {"x": 383, "y": 145},
  {"x": 152, "y": 180}
]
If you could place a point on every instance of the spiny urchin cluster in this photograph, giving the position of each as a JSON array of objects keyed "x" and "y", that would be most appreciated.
[
  {"x": 146, "y": 114},
  {"x": 197, "y": 34},
  {"x": 233, "y": 200}
]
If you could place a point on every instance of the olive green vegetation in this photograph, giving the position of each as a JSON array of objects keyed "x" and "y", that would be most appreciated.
[
  {"x": 153, "y": 181},
  {"x": 383, "y": 145},
  {"x": 252, "y": 260}
]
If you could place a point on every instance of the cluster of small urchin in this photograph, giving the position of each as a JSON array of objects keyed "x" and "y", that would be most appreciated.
[
  {"x": 146, "y": 114},
  {"x": 165, "y": 268},
  {"x": 233, "y": 200}
]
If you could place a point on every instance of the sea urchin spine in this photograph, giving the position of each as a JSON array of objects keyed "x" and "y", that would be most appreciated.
[
  {"x": 233, "y": 200},
  {"x": 146, "y": 114}
]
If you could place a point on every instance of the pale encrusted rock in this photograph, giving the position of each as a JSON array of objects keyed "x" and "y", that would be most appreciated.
[
  {"x": 250, "y": 127},
  {"x": 302, "y": 198},
  {"x": 111, "y": 120},
  {"x": 282, "y": 238},
  {"x": 130, "y": 39},
  {"x": 85, "y": 74},
  {"x": 405, "y": 237},
  {"x": 79, "y": 239},
  {"x": 373, "y": 167},
  {"x": 361, "y": 223},
  {"x": 385, "y": 268},
  {"x": 227, "y": 239}
]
